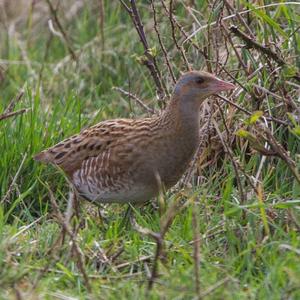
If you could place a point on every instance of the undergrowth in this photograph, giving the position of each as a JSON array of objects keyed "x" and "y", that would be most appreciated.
[{"x": 243, "y": 194}]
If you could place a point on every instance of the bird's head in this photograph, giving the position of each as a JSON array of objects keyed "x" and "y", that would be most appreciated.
[{"x": 200, "y": 85}]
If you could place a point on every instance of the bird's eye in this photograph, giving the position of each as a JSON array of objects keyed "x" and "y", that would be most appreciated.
[{"x": 199, "y": 80}]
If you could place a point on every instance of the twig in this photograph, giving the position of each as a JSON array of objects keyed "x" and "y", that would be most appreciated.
[
  {"x": 8, "y": 111},
  {"x": 196, "y": 246},
  {"x": 45, "y": 57},
  {"x": 202, "y": 135},
  {"x": 260, "y": 168},
  {"x": 179, "y": 48},
  {"x": 14, "y": 113},
  {"x": 235, "y": 105},
  {"x": 239, "y": 17},
  {"x": 11, "y": 187},
  {"x": 150, "y": 61},
  {"x": 289, "y": 247},
  {"x": 265, "y": 90},
  {"x": 92, "y": 276},
  {"x": 129, "y": 263},
  {"x": 61, "y": 30},
  {"x": 171, "y": 213},
  {"x": 182, "y": 30},
  {"x": 70, "y": 206},
  {"x": 165, "y": 224},
  {"x": 239, "y": 57},
  {"x": 161, "y": 43},
  {"x": 282, "y": 153},
  {"x": 249, "y": 113},
  {"x": 53, "y": 30},
  {"x": 25, "y": 228},
  {"x": 215, "y": 286},
  {"x": 103, "y": 259},
  {"x": 101, "y": 15},
  {"x": 234, "y": 15},
  {"x": 159, "y": 249},
  {"x": 17, "y": 292},
  {"x": 136, "y": 98},
  {"x": 228, "y": 150},
  {"x": 13, "y": 102},
  {"x": 76, "y": 248},
  {"x": 251, "y": 43}
]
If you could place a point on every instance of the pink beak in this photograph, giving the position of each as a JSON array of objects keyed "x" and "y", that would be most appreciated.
[{"x": 221, "y": 85}]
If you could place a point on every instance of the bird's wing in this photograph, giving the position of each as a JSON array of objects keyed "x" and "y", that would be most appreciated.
[{"x": 71, "y": 152}]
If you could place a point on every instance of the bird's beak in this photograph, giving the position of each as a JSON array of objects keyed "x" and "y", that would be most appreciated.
[{"x": 221, "y": 85}]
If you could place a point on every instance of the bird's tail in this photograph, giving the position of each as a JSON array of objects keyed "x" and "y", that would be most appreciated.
[{"x": 44, "y": 157}]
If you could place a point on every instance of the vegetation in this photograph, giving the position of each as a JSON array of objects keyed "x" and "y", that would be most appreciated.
[{"x": 230, "y": 229}]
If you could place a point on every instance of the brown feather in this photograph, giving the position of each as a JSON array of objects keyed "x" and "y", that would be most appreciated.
[{"x": 126, "y": 160}]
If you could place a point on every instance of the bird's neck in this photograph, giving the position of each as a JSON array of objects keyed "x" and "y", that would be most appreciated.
[
  {"x": 180, "y": 122},
  {"x": 183, "y": 114}
]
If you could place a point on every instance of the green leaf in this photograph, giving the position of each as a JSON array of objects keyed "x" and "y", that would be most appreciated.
[
  {"x": 152, "y": 51},
  {"x": 292, "y": 119},
  {"x": 296, "y": 130},
  {"x": 65, "y": 270},
  {"x": 254, "y": 142},
  {"x": 140, "y": 59},
  {"x": 227, "y": 192},
  {"x": 255, "y": 116},
  {"x": 287, "y": 204},
  {"x": 266, "y": 18},
  {"x": 243, "y": 133},
  {"x": 290, "y": 70}
]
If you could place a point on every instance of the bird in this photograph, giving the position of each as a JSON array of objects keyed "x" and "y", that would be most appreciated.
[{"x": 131, "y": 160}]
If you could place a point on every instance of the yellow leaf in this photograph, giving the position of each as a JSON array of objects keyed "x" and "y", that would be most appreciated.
[{"x": 255, "y": 116}]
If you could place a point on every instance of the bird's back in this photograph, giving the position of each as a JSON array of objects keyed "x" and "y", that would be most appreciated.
[{"x": 108, "y": 162}]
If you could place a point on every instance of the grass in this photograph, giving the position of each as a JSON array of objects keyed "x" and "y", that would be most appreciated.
[{"x": 248, "y": 250}]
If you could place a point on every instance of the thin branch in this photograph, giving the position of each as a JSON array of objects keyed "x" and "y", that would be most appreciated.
[
  {"x": 161, "y": 43},
  {"x": 126, "y": 7},
  {"x": 183, "y": 32},
  {"x": 179, "y": 48},
  {"x": 165, "y": 224},
  {"x": 13, "y": 102},
  {"x": 12, "y": 185},
  {"x": 251, "y": 43},
  {"x": 282, "y": 153},
  {"x": 227, "y": 35},
  {"x": 159, "y": 249},
  {"x": 249, "y": 113},
  {"x": 196, "y": 252},
  {"x": 215, "y": 286},
  {"x": 101, "y": 16},
  {"x": 228, "y": 150},
  {"x": 239, "y": 17},
  {"x": 61, "y": 30},
  {"x": 130, "y": 263},
  {"x": 136, "y": 99},
  {"x": 150, "y": 61},
  {"x": 67, "y": 229},
  {"x": 191, "y": 168},
  {"x": 14, "y": 113},
  {"x": 234, "y": 15}
]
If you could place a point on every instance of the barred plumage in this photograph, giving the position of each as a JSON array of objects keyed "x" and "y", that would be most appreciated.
[{"x": 127, "y": 160}]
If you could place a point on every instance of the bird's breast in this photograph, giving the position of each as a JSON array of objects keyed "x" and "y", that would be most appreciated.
[{"x": 179, "y": 151}]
